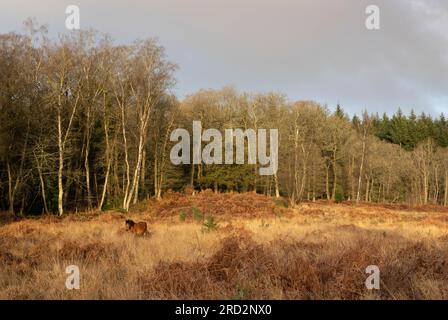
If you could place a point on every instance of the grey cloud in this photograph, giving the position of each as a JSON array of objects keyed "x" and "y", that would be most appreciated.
[{"x": 310, "y": 49}]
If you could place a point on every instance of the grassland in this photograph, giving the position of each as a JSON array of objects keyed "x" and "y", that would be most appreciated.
[{"x": 230, "y": 246}]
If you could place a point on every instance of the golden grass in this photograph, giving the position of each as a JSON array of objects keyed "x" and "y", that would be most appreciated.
[{"x": 314, "y": 251}]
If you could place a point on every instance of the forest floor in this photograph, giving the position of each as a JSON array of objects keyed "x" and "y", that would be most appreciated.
[{"x": 230, "y": 246}]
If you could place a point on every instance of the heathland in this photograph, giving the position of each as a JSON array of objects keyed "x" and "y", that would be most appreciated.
[{"x": 229, "y": 246}]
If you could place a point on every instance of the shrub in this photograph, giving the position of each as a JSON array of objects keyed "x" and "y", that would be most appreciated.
[
  {"x": 338, "y": 197},
  {"x": 197, "y": 214},
  {"x": 182, "y": 215},
  {"x": 210, "y": 224}
]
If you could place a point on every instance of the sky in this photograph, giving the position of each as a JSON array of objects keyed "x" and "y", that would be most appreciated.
[{"x": 307, "y": 49}]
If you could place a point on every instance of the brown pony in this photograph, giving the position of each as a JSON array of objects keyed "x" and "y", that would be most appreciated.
[{"x": 139, "y": 228}]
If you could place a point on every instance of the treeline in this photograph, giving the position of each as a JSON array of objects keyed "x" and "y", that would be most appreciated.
[
  {"x": 86, "y": 124},
  {"x": 410, "y": 131}
]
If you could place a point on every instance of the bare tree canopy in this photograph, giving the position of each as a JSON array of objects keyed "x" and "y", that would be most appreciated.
[{"x": 86, "y": 124}]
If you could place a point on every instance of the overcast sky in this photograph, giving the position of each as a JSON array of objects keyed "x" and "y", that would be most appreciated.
[{"x": 308, "y": 49}]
